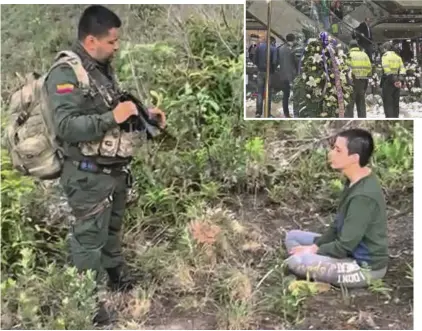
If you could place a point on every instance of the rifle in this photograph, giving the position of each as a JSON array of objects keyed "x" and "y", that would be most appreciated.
[{"x": 144, "y": 121}]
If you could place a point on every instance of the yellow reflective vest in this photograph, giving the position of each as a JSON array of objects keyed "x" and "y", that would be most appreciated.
[
  {"x": 360, "y": 63},
  {"x": 392, "y": 64}
]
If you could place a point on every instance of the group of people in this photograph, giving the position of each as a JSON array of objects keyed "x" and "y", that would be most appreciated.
[
  {"x": 392, "y": 79},
  {"x": 95, "y": 177},
  {"x": 285, "y": 61},
  {"x": 284, "y": 67},
  {"x": 328, "y": 13}
]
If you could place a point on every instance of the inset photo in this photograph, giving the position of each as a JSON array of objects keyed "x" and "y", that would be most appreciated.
[{"x": 333, "y": 59}]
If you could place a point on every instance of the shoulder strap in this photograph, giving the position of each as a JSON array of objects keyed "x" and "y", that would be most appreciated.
[{"x": 74, "y": 61}]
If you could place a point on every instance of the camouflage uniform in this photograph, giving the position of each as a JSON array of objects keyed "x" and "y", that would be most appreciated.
[{"x": 97, "y": 199}]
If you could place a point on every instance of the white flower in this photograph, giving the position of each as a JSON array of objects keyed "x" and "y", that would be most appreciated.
[
  {"x": 304, "y": 76},
  {"x": 318, "y": 49},
  {"x": 311, "y": 82},
  {"x": 308, "y": 96},
  {"x": 341, "y": 53},
  {"x": 318, "y": 92},
  {"x": 317, "y": 58}
]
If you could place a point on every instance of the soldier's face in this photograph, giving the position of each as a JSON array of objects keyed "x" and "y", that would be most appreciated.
[{"x": 104, "y": 48}]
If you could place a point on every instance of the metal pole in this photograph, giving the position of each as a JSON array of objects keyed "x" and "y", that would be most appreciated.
[{"x": 267, "y": 77}]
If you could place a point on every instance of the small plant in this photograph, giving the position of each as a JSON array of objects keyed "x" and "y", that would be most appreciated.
[
  {"x": 409, "y": 272},
  {"x": 379, "y": 287},
  {"x": 236, "y": 315},
  {"x": 376, "y": 285}
]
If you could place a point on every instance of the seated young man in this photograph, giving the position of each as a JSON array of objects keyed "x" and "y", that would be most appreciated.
[{"x": 354, "y": 249}]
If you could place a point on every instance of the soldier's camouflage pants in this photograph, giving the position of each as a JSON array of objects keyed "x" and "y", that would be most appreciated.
[
  {"x": 339, "y": 272},
  {"x": 98, "y": 202}
]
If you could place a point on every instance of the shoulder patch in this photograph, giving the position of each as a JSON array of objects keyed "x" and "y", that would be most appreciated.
[{"x": 64, "y": 88}]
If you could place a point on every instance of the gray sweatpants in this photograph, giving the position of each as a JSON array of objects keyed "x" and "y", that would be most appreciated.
[{"x": 339, "y": 272}]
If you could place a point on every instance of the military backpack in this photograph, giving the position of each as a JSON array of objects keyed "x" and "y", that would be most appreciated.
[{"x": 30, "y": 135}]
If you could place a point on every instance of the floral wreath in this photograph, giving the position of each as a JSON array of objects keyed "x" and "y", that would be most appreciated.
[{"x": 325, "y": 76}]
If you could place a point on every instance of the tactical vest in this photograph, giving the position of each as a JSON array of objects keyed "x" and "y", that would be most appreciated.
[{"x": 117, "y": 146}]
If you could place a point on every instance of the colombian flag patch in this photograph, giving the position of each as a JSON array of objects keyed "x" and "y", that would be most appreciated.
[{"x": 64, "y": 88}]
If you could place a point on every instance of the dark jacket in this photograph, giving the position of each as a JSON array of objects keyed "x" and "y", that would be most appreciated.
[
  {"x": 260, "y": 59},
  {"x": 359, "y": 230},
  {"x": 287, "y": 62},
  {"x": 364, "y": 38}
]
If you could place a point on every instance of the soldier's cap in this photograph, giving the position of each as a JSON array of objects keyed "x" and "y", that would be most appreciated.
[{"x": 353, "y": 43}]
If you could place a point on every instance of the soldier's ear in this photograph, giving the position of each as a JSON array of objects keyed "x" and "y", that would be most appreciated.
[{"x": 89, "y": 42}]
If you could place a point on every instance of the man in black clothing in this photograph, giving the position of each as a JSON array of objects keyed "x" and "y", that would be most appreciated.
[
  {"x": 260, "y": 60},
  {"x": 287, "y": 71},
  {"x": 252, "y": 47},
  {"x": 364, "y": 36}
]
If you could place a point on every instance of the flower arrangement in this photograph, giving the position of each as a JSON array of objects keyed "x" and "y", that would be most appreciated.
[
  {"x": 323, "y": 87},
  {"x": 413, "y": 68},
  {"x": 412, "y": 82},
  {"x": 413, "y": 74},
  {"x": 375, "y": 80}
]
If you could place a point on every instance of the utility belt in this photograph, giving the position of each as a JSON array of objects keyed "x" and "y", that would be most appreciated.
[
  {"x": 115, "y": 143},
  {"x": 92, "y": 167},
  {"x": 389, "y": 79}
]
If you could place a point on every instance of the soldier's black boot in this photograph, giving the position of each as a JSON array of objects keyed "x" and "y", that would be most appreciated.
[
  {"x": 120, "y": 279},
  {"x": 102, "y": 316}
]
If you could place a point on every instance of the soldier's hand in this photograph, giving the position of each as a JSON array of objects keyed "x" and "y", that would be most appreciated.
[
  {"x": 160, "y": 114},
  {"x": 124, "y": 110},
  {"x": 397, "y": 84}
]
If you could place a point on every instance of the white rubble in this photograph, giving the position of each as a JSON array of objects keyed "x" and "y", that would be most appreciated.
[{"x": 374, "y": 108}]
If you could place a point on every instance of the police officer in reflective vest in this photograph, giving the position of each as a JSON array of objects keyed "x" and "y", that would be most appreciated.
[
  {"x": 391, "y": 81},
  {"x": 361, "y": 70}
]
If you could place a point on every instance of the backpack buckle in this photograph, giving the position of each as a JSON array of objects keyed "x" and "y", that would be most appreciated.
[
  {"x": 21, "y": 168},
  {"x": 21, "y": 119}
]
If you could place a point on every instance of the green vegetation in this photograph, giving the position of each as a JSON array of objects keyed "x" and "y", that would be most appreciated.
[{"x": 205, "y": 232}]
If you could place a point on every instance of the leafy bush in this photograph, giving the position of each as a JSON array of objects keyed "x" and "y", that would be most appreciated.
[
  {"x": 53, "y": 298},
  {"x": 189, "y": 227}
]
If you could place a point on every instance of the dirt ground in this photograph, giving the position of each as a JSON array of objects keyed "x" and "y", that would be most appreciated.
[
  {"x": 363, "y": 310},
  {"x": 357, "y": 310}
]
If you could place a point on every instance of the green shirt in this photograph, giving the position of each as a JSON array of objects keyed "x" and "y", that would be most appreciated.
[
  {"x": 359, "y": 230},
  {"x": 76, "y": 119}
]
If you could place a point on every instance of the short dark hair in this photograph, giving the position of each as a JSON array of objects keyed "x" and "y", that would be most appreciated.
[
  {"x": 97, "y": 20},
  {"x": 272, "y": 39},
  {"x": 359, "y": 142},
  {"x": 290, "y": 37},
  {"x": 353, "y": 43}
]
